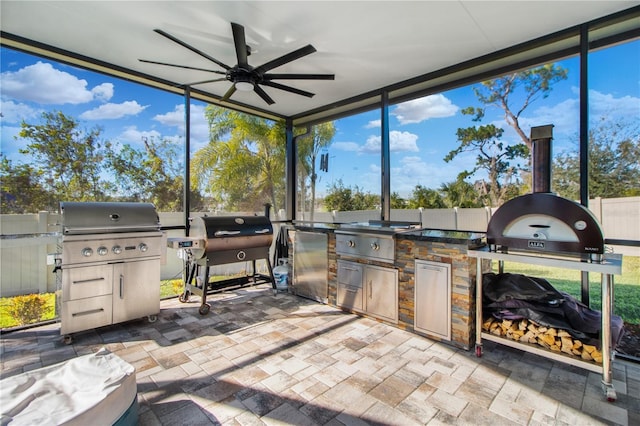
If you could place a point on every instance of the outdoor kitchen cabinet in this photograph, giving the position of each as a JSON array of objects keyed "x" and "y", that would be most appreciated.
[
  {"x": 108, "y": 294},
  {"x": 433, "y": 298},
  {"x": 369, "y": 289}
]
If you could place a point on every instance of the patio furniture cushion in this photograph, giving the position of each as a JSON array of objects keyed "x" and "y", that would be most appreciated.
[{"x": 97, "y": 389}]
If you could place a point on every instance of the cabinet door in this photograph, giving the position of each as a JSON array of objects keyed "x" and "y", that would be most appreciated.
[
  {"x": 136, "y": 290},
  {"x": 433, "y": 298},
  {"x": 350, "y": 285},
  {"x": 381, "y": 292}
]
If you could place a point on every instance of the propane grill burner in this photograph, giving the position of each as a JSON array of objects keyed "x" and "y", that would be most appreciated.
[{"x": 543, "y": 222}]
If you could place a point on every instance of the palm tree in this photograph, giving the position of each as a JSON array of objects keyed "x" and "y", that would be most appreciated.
[{"x": 243, "y": 165}]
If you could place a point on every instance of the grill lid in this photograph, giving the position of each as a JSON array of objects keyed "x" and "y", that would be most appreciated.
[{"x": 107, "y": 217}]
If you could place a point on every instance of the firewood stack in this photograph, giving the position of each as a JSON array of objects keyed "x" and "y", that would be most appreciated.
[{"x": 557, "y": 340}]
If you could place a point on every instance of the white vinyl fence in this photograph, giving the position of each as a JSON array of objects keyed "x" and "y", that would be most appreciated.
[{"x": 27, "y": 241}]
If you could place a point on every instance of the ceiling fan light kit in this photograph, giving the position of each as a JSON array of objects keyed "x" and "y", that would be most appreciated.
[{"x": 244, "y": 77}]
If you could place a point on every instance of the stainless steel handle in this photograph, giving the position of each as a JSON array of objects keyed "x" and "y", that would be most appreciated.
[
  {"x": 222, "y": 233},
  {"x": 432, "y": 268},
  {"x": 92, "y": 311},
  {"x": 90, "y": 280},
  {"x": 350, "y": 290},
  {"x": 370, "y": 289},
  {"x": 348, "y": 269},
  {"x": 121, "y": 286},
  {"x": 263, "y": 231}
]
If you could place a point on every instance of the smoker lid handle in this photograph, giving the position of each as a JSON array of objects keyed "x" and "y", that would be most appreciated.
[
  {"x": 264, "y": 231},
  {"x": 223, "y": 233}
]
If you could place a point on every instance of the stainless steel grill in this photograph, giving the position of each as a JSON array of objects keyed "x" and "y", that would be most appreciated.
[
  {"x": 220, "y": 240},
  {"x": 110, "y": 264}
]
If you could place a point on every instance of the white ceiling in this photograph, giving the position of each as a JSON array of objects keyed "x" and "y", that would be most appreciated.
[{"x": 367, "y": 45}]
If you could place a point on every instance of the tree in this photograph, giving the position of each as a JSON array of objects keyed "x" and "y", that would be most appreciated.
[
  {"x": 460, "y": 193},
  {"x": 536, "y": 83},
  {"x": 614, "y": 164},
  {"x": 20, "y": 189},
  {"x": 69, "y": 160},
  {"x": 343, "y": 198},
  {"x": 426, "y": 198},
  {"x": 308, "y": 149},
  {"x": 153, "y": 175},
  {"x": 242, "y": 166},
  {"x": 494, "y": 157}
]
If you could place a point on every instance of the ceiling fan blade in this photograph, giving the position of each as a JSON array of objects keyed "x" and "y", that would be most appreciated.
[
  {"x": 288, "y": 89},
  {"x": 296, "y": 54},
  {"x": 241, "y": 45},
  {"x": 263, "y": 95},
  {"x": 298, "y": 77},
  {"x": 191, "y": 48},
  {"x": 229, "y": 93},
  {"x": 181, "y": 66},
  {"x": 207, "y": 81}
]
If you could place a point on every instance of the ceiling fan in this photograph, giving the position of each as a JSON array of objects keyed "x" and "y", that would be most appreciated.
[{"x": 245, "y": 77}]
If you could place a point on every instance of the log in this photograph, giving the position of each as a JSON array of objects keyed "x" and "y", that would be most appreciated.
[{"x": 550, "y": 338}]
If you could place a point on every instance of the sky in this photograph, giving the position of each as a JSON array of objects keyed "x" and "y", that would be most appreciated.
[{"x": 423, "y": 130}]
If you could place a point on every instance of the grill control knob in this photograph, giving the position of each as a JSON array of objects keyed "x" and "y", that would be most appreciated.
[
  {"x": 143, "y": 247},
  {"x": 351, "y": 243},
  {"x": 87, "y": 251},
  {"x": 375, "y": 246},
  {"x": 116, "y": 249},
  {"x": 102, "y": 250}
]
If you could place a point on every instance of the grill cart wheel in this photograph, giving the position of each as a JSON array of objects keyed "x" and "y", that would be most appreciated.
[
  {"x": 184, "y": 297},
  {"x": 153, "y": 318},
  {"x": 204, "y": 309}
]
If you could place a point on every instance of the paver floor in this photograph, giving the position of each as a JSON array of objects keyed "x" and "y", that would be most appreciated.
[{"x": 261, "y": 359}]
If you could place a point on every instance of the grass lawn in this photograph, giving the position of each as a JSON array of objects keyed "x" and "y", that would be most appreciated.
[{"x": 626, "y": 286}]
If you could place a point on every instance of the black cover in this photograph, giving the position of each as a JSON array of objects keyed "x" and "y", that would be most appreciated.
[{"x": 515, "y": 296}]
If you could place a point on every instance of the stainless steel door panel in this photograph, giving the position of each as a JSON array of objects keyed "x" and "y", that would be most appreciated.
[
  {"x": 381, "y": 292},
  {"x": 349, "y": 273},
  {"x": 136, "y": 289},
  {"x": 83, "y": 282},
  {"x": 311, "y": 265},
  {"x": 433, "y": 298},
  {"x": 349, "y": 297},
  {"x": 85, "y": 314}
]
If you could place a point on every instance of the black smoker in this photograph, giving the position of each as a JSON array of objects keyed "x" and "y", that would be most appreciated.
[
  {"x": 221, "y": 240},
  {"x": 541, "y": 221}
]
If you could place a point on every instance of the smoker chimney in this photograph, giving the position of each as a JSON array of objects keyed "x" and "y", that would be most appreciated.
[{"x": 541, "y": 157}]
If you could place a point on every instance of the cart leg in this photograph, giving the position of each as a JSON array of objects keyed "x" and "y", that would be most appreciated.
[
  {"x": 607, "y": 293},
  {"x": 273, "y": 280},
  {"x": 204, "y": 306},
  {"x": 478, "y": 307}
]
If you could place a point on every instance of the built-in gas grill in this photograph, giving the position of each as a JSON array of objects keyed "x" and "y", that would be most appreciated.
[
  {"x": 541, "y": 221},
  {"x": 110, "y": 264},
  {"x": 220, "y": 240},
  {"x": 373, "y": 240}
]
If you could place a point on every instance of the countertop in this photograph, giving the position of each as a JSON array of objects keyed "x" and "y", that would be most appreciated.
[{"x": 469, "y": 239}]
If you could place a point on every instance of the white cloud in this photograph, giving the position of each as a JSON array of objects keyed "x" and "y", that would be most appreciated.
[
  {"x": 103, "y": 92},
  {"x": 44, "y": 84},
  {"x": 16, "y": 112},
  {"x": 373, "y": 124},
  {"x": 113, "y": 111},
  {"x": 346, "y": 146},
  {"x": 421, "y": 109},
  {"x": 606, "y": 105},
  {"x": 132, "y": 134},
  {"x": 398, "y": 142},
  {"x": 199, "y": 125}
]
